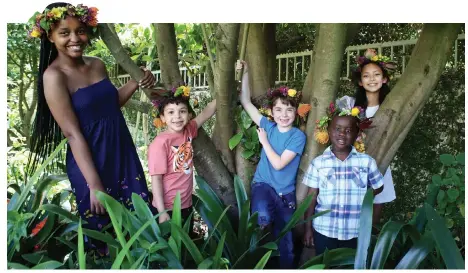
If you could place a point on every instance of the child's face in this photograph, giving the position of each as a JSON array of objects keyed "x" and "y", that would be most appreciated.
[
  {"x": 175, "y": 116},
  {"x": 343, "y": 132},
  {"x": 283, "y": 114},
  {"x": 372, "y": 78}
]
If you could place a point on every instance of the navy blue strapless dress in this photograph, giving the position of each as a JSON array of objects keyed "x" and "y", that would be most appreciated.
[{"x": 114, "y": 154}]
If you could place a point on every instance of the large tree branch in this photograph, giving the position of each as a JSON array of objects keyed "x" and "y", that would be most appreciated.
[
  {"x": 325, "y": 72},
  {"x": 227, "y": 37},
  {"x": 397, "y": 113}
]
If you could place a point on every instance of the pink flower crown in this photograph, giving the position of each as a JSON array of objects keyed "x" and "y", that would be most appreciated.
[
  {"x": 371, "y": 56},
  {"x": 42, "y": 22}
]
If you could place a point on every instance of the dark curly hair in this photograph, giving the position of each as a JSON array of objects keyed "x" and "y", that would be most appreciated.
[
  {"x": 172, "y": 100},
  {"x": 360, "y": 95},
  {"x": 285, "y": 100}
]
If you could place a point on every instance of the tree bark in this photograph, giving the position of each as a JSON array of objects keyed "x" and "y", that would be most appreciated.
[
  {"x": 325, "y": 72},
  {"x": 398, "y": 112},
  {"x": 207, "y": 161},
  {"x": 269, "y": 32},
  {"x": 227, "y": 36}
]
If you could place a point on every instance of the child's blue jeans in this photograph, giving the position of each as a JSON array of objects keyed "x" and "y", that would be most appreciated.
[{"x": 275, "y": 209}]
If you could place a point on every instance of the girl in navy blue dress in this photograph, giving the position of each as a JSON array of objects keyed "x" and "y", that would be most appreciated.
[{"x": 76, "y": 98}]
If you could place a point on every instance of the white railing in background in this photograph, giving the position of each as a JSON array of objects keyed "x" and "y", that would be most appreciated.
[{"x": 294, "y": 66}]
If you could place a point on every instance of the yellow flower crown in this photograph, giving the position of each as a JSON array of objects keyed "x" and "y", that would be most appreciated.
[{"x": 42, "y": 22}]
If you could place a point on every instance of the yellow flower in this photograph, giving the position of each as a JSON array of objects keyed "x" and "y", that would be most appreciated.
[
  {"x": 36, "y": 32},
  {"x": 292, "y": 92},
  {"x": 186, "y": 91},
  {"x": 56, "y": 13},
  {"x": 359, "y": 147},
  {"x": 355, "y": 112},
  {"x": 375, "y": 58},
  {"x": 321, "y": 136},
  {"x": 195, "y": 103}
]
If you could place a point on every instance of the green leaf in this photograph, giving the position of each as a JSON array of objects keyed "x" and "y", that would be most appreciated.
[
  {"x": 17, "y": 266},
  {"x": 52, "y": 208},
  {"x": 145, "y": 214},
  {"x": 317, "y": 266},
  {"x": 270, "y": 245},
  {"x": 139, "y": 262},
  {"x": 43, "y": 185},
  {"x": 147, "y": 58},
  {"x": 219, "y": 252},
  {"x": 36, "y": 257},
  {"x": 462, "y": 209},
  {"x": 189, "y": 244},
  {"x": 437, "y": 180},
  {"x": 447, "y": 159},
  {"x": 48, "y": 265},
  {"x": 461, "y": 158},
  {"x": 263, "y": 261},
  {"x": 449, "y": 222},
  {"x": 247, "y": 154},
  {"x": 176, "y": 220},
  {"x": 246, "y": 119},
  {"x": 67, "y": 243},
  {"x": 234, "y": 141},
  {"x": 126, "y": 248},
  {"x": 440, "y": 196},
  {"x": 417, "y": 253},
  {"x": 241, "y": 194},
  {"x": 384, "y": 244},
  {"x": 115, "y": 222},
  {"x": 453, "y": 194},
  {"x": 81, "y": 253},
  {"x": 103, "y": 237},
  {"x": 206, "y": 264},
  {"x": 365, "y": 229},
  {"x": 444, "y": 240}
]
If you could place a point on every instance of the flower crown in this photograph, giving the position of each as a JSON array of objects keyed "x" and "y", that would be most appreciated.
[
  {"x": 283, "y": 91},
  {"x": 343, "y": 107},
  {"x": 42, "y": 22},
  {"x": 181, "y": 91},
  {"x": 370, "y": 56}
]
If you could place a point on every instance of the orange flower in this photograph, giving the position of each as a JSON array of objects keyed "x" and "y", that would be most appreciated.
[
  {"x": 38, "y": 227},
  {"x": 93, "y": 11},
  {"x": 303, "y": 109},
  {"x": 321, "y": 136},
  {"x": 158, "y": 123},
  {"x": 93, "y": 22}
]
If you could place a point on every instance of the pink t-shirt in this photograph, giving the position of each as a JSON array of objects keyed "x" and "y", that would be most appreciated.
[{"x": 172, "y": 156}]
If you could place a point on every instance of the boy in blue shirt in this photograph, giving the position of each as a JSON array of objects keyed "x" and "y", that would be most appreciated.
[
  {"x": 338, "y": 179},
  {"x": 273, "y": 193}
]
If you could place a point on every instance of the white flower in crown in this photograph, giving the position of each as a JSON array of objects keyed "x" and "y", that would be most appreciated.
[{"x": 345, "y": 104}]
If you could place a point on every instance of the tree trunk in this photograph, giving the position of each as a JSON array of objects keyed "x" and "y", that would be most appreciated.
[
  {"x": 207, "y": 161},
  {"x": 398, "y": 112},
  {"x": 325, "y": 72},
  {"x": 269, "y": 32},
  {"x": 227, "y": 36}
]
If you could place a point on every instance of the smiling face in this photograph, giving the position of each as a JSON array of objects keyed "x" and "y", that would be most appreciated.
[
  {"x": 372, "y": 78},
  {"x": 283, "y": 114},
  {"x": 176, "y": 116},
  {"x": 343, "y": 132},
  {"x": 70, "y": 37}
]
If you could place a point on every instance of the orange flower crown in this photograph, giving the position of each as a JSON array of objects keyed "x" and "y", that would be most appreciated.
[
  {"x": 43, "y": 22},
  {"x": 182, "y": 91}
]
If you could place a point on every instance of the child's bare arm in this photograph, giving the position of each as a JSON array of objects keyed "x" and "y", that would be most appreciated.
[
  {"x": 245, "y": 95},
  {"x": 158, "y": 197},
  {"x": 377, "y": 191},
  {"x": 277, "y": 161},
  {"x": 207, "y": 113}
]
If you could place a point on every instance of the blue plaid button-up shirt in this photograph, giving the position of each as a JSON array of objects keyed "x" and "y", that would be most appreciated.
[{"x": 342, "y": 186}]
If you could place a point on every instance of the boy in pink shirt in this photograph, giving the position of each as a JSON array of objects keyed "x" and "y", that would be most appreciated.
[{"x": 170, "y": 155}]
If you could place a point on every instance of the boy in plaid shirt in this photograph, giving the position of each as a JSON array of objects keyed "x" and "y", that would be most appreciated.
[{"x": 339, "y": 178}]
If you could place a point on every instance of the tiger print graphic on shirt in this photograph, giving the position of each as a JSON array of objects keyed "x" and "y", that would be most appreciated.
[{"x": 183, "y": 157}]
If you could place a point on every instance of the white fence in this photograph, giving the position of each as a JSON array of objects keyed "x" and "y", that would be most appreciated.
[{"x": 294, "y": 66}]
